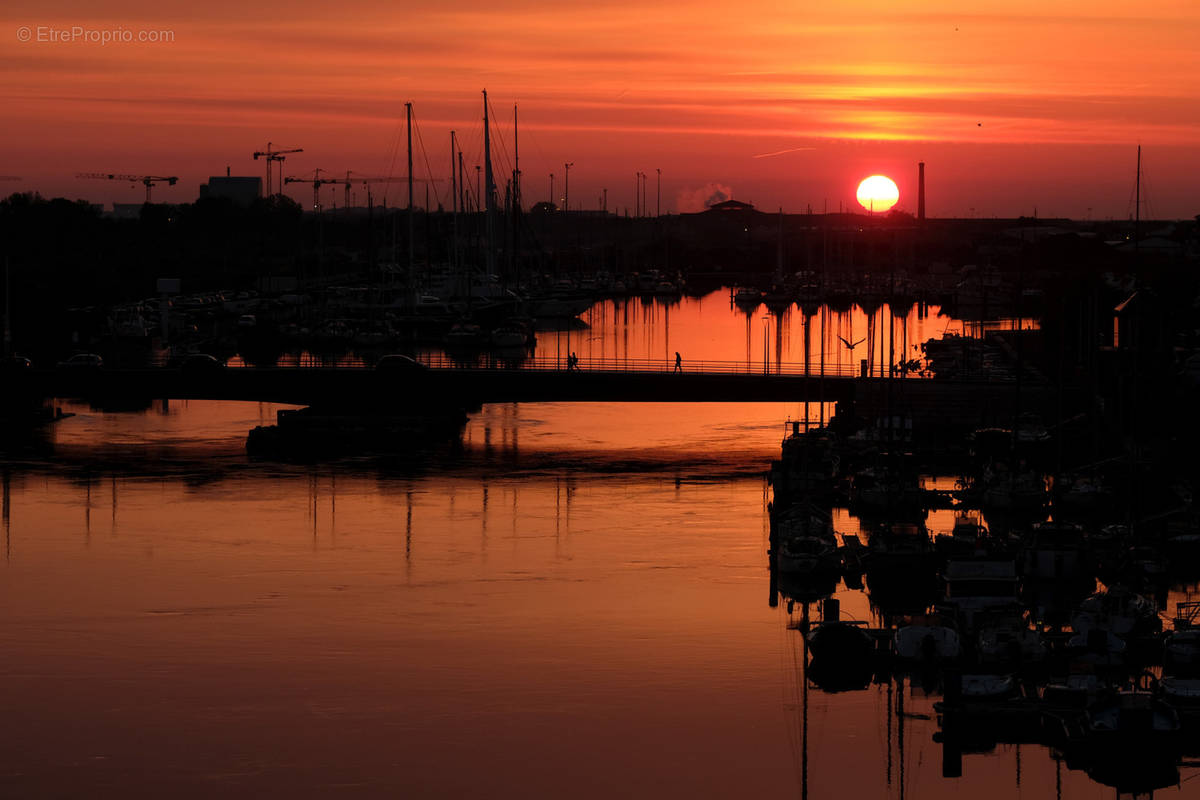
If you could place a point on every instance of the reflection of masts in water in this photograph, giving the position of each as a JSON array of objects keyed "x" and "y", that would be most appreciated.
[
  {"x": 798, "y": 738},
  {"x": 483, "y": 514},
  {"x": 900, "y": 729},
  {"x": 408, "y": 503},
  {"x": 807, "y": 357},
  {"x": 804, "y": 709},
  {"x": 779, "y": 344},
  {"x": 889, "y": 732},
  {"x": 7, "y": 509},
  {"x": 312, "y": 505}
]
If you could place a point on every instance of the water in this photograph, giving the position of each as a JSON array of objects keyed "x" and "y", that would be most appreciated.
[
  {"x": 575, "y": 602},
  {"x": 711, "y": 331}
]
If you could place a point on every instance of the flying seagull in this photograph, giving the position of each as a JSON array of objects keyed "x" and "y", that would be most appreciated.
[{"x": 850, "y": 346}]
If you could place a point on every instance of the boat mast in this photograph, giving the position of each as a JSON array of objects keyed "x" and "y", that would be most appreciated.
[
  {"x": 453, "y": 201},
  {"x": 516, "y": 164},
  {"x": 408, "y": 118},
  {"x": 514, "y": 269},
  {"x": 489, "y": 189},
  {"x": 1137, "y": 213}
]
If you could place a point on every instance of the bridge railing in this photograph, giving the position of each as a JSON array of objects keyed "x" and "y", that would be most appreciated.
[
  {"x": 561, "y": 363},
  {"x": 641, "y": 365}
]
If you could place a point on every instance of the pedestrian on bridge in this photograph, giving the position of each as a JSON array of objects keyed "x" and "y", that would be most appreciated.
[{"x": 678, "y": 362}]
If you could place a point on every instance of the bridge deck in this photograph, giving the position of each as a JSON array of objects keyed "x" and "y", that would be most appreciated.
[{"x": 352, "y": 387}]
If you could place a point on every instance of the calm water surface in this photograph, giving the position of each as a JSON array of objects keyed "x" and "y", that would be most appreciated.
[{"x": 575, "y": 602}]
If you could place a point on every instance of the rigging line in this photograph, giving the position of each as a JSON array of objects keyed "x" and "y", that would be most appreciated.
[
  {"x": 1146, "y": 204},
  {"x": 392, "y": 161},
  {"x": 503, "y": 153},
  {"x": 472, "y": 155},
  {"x": 425, "y": 155}
]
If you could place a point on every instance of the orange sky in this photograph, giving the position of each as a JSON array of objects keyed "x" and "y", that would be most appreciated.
[{"x": 1012, "y": 105}]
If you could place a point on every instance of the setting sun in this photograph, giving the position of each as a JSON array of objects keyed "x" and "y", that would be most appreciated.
[{"x": 878, "y": 193}]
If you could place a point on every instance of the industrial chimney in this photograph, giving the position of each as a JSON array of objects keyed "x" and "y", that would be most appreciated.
[{"x": 921, "y": 191}]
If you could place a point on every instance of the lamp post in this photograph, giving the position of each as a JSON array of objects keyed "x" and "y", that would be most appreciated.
[{"x": 567, "y": 185}]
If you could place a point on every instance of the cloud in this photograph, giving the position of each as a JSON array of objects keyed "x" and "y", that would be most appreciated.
[
  {"x": 691, "y": 200},
  {"x": 783, "y": 152}
]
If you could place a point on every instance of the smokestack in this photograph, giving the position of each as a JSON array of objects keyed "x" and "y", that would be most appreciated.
[
  {"x": 921, "y": 191},
  {"x": 226, "y": 171}
]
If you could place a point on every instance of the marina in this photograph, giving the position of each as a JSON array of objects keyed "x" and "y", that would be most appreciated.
[
  {"x": 981, "y": 612},
  {"x": 391, "y": 448}
]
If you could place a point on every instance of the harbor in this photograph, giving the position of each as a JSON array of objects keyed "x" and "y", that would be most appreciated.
[{"x": 362, "y": 435}]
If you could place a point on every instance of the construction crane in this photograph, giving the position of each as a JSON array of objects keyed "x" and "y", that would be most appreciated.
[
  {"x": 146, "y": 180},
  {"x": 317, "y": 182},
  {"x": 271, "y": 155}
]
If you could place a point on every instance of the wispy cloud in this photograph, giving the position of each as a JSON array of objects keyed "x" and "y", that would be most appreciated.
[{"x": 783, "y": 152}]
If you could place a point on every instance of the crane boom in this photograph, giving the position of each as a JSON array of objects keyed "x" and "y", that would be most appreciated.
[
  {"x": 317, "y": 182},
  {"x": 146, "y": 180},
  {"x": 271, "y": 155}
]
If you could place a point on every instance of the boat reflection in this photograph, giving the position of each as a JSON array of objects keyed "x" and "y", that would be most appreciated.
[{"x": 1013, "y": 632}]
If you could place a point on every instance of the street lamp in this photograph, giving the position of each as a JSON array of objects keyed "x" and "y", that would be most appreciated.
[{"x": 567, "y": 186}]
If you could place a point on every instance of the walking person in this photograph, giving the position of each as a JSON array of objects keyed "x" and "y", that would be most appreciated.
[{"x": 678, "y": 362}]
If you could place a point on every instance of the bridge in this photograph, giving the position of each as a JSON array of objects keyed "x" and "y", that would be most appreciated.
[
  {"x": 439, "y": 384},
  {"x": 445, "y": 383}
]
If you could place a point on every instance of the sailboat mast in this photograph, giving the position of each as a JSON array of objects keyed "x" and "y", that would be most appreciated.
[
  {"x": 516, "y": 164},
  {"x": 453, "y": 202},
  {"x": 453, "y": 178},
  {"x": 514, "y": 248},
  {"x": 462, "y": 186},
  {"x": 489, "y": 189},
  {"x": 1137, "y": 208},
  {"x": 408, "y": 118}
]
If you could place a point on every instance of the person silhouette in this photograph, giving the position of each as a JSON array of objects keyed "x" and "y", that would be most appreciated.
[{"x": 678, "y": 362}]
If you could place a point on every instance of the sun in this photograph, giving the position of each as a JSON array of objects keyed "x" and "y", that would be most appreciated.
[{"x": 878, "y": 193}]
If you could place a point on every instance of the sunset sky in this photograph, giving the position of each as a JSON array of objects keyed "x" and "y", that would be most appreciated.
[{"x": 1013, "y": 105}]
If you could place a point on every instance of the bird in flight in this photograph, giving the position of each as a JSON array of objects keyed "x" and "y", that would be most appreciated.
[{"x": 851, "y": 346}]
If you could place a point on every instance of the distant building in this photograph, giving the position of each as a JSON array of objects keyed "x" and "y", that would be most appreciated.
[
  {"x": 241, "y": 191},
  {"x": 730, "y": 206}
]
